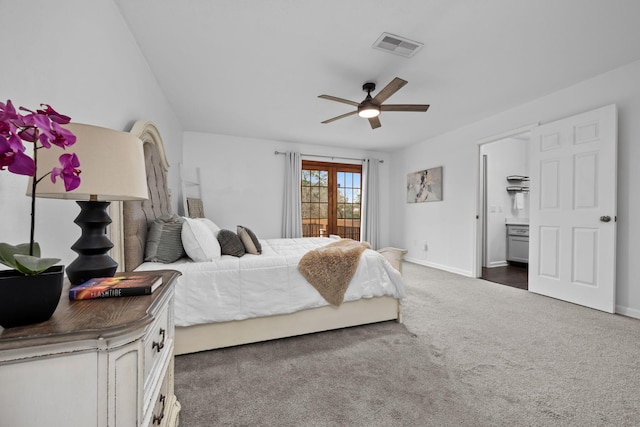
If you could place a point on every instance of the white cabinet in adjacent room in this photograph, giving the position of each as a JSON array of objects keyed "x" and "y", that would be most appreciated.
[{"x": 518, "y": 243}]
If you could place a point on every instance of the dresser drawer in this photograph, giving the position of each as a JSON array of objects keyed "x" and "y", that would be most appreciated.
[
  {"x": 158, "y": 342},
  {"x": 165, "y": 408},
  {"x": 162, "y": 404}
]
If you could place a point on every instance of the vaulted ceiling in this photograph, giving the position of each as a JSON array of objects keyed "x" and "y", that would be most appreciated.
[{"x": 255, "y": 68}]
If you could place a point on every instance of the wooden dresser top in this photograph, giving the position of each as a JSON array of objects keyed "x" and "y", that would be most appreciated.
[{"x": 89, "y": 319}]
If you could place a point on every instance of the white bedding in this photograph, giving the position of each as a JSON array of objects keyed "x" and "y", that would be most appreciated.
[{"x": 233, "y": 288}]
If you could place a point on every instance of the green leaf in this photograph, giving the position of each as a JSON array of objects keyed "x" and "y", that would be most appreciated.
[
  {"x": 6, "y": 255},
  {"x": 7, "y": 252},
  {"x": 31, "y": 265},
  {"x": 36, "y": 249}
]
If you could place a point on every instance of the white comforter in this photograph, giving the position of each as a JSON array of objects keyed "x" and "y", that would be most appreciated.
[{"x": 233, "y": 288}]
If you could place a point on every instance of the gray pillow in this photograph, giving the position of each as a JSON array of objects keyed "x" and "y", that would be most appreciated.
[
  {"x": 164, "y": 240},
  {"x": 230, "y": 243},
  {"x": 249, "y": 240}
]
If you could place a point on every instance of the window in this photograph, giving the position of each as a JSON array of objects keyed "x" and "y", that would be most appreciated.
[{"x": 331, "y": 195}]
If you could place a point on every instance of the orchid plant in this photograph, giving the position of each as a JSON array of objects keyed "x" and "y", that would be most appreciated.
[{"x": 43, "y": 129}]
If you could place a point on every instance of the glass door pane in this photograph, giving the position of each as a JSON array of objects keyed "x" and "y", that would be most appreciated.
[
  {"x": 331, "y": 195},
  {"x": 315, "y": 203},
  {"x": 348, "y": 225}
]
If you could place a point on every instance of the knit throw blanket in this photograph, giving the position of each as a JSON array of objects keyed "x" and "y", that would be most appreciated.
[{"x": 330, "y": 268}]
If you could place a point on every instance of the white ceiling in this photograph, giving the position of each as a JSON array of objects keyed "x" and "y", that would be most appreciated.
[{"x": 255, "y": 68}]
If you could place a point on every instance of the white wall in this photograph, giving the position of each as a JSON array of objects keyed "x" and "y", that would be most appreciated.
[
  {"x": 81, "y": 58},
  {"x": 242, "y": 180},
  {"x": 450, "y": 225},
  {"x": 504, "y": 157}
]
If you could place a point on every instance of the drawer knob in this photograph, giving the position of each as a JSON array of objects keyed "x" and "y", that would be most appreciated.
[{"x": 159, "y": 345}]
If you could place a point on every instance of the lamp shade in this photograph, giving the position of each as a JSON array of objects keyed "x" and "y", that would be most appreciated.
[
  {"x": 112, "y": 169},
  {"x": 111, "y": 163}
]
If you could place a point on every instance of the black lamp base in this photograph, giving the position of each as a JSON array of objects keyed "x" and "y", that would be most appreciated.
[{"x": 93, "y": 244}]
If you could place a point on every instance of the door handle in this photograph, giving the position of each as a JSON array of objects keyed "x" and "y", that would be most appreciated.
[{"x": 605, "y": 218}]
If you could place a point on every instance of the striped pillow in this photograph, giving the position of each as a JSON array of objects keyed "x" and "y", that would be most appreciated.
[{"x": 164, "y": 240}]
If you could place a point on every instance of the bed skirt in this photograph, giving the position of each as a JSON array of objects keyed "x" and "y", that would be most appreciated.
[{"x": 191, "y": 339}]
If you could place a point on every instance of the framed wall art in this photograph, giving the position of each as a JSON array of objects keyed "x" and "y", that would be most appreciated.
[{"x": 425, "y": 186}]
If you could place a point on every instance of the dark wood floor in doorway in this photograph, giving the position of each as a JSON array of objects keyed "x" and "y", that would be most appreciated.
[{"x": 511, "y": 275}]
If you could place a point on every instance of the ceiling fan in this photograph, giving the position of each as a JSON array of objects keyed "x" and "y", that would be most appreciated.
[{"x": 371, "y": 108}]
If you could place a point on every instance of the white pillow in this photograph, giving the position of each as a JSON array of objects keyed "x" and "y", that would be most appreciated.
[
  {"x": 214, "y": 228},
  {"x": 199, "y": 240}
]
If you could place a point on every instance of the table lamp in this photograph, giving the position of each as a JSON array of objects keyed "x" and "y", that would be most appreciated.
[{"x": 112, "y": 169}]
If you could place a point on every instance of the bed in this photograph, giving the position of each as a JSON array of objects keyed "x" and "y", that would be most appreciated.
[{"x": 226, "y": 302}]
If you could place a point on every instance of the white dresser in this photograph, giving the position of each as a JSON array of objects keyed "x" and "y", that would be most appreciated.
[{"x": 104, "y": 362}]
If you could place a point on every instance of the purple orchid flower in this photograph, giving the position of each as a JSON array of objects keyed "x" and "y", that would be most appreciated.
[
  {"x": 46, "y": 129},
  {"x": 43, "y": 129},
  {"x": 12, "y": 156},
  {"x": 18, "y": 163},
  {"x": 54, "y": 115},
  {"x": 69, "y": 171},
  {"x": 7, "y": 112},
  {"x": 56, "y": 135},
  {"x": 6, "y": 154}
]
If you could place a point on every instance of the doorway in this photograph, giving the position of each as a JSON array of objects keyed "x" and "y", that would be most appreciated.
[
  {"x": 504, "y": 209},
  {"x": 572, "y": 208},
  {"x": 331, "y": 199}
]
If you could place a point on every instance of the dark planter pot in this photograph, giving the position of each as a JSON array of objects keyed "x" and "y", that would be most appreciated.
[{"x": 25, "y": 300}]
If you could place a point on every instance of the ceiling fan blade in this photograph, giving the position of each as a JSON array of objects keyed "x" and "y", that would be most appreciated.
[
  {"x": 375, "y": 122},
  {"x": 335, "y": 98},
  {"x": 389, "y": 90},
  {"x": 405, "y": 107},
  {"x": 340, "y": 117}
]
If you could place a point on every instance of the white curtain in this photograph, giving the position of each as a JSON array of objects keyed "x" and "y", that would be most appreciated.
[
  {"x": 292, "y": 218},
  {"x": 371, "y": 203}
]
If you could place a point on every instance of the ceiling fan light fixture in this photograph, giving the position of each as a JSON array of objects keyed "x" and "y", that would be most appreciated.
[
  {"x": 368, "y": 113},
  {"x": 368, "y": 109}
]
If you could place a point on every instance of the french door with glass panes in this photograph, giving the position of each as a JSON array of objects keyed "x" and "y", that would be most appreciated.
[{"x": 331, "y": 195}]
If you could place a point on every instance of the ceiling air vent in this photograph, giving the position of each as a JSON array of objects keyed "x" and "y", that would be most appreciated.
[{"x": 397, "y": 45}]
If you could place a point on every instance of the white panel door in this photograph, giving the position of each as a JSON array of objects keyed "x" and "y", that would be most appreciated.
[{"x": 573, "y": 209}]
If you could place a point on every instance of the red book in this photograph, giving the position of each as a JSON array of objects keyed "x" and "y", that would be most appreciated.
[{"x": 118, "y": 286}]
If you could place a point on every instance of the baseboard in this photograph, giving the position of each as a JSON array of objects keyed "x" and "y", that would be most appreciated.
[
  {"x": 625, "y": 311},
  {"x": 498, "y": 264},
  {"x": 629, "y": 312},
  {"x": 439, "y": 266}
]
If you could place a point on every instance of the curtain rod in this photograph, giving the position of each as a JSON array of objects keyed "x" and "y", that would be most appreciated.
[{"x": 327, "y": 157}]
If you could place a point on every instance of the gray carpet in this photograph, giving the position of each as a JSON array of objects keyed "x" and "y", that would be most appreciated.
[{"x": 470, "y": 353}]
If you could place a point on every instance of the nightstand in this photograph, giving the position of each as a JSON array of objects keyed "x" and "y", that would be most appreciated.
[{"x": 102, "y": 362}]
